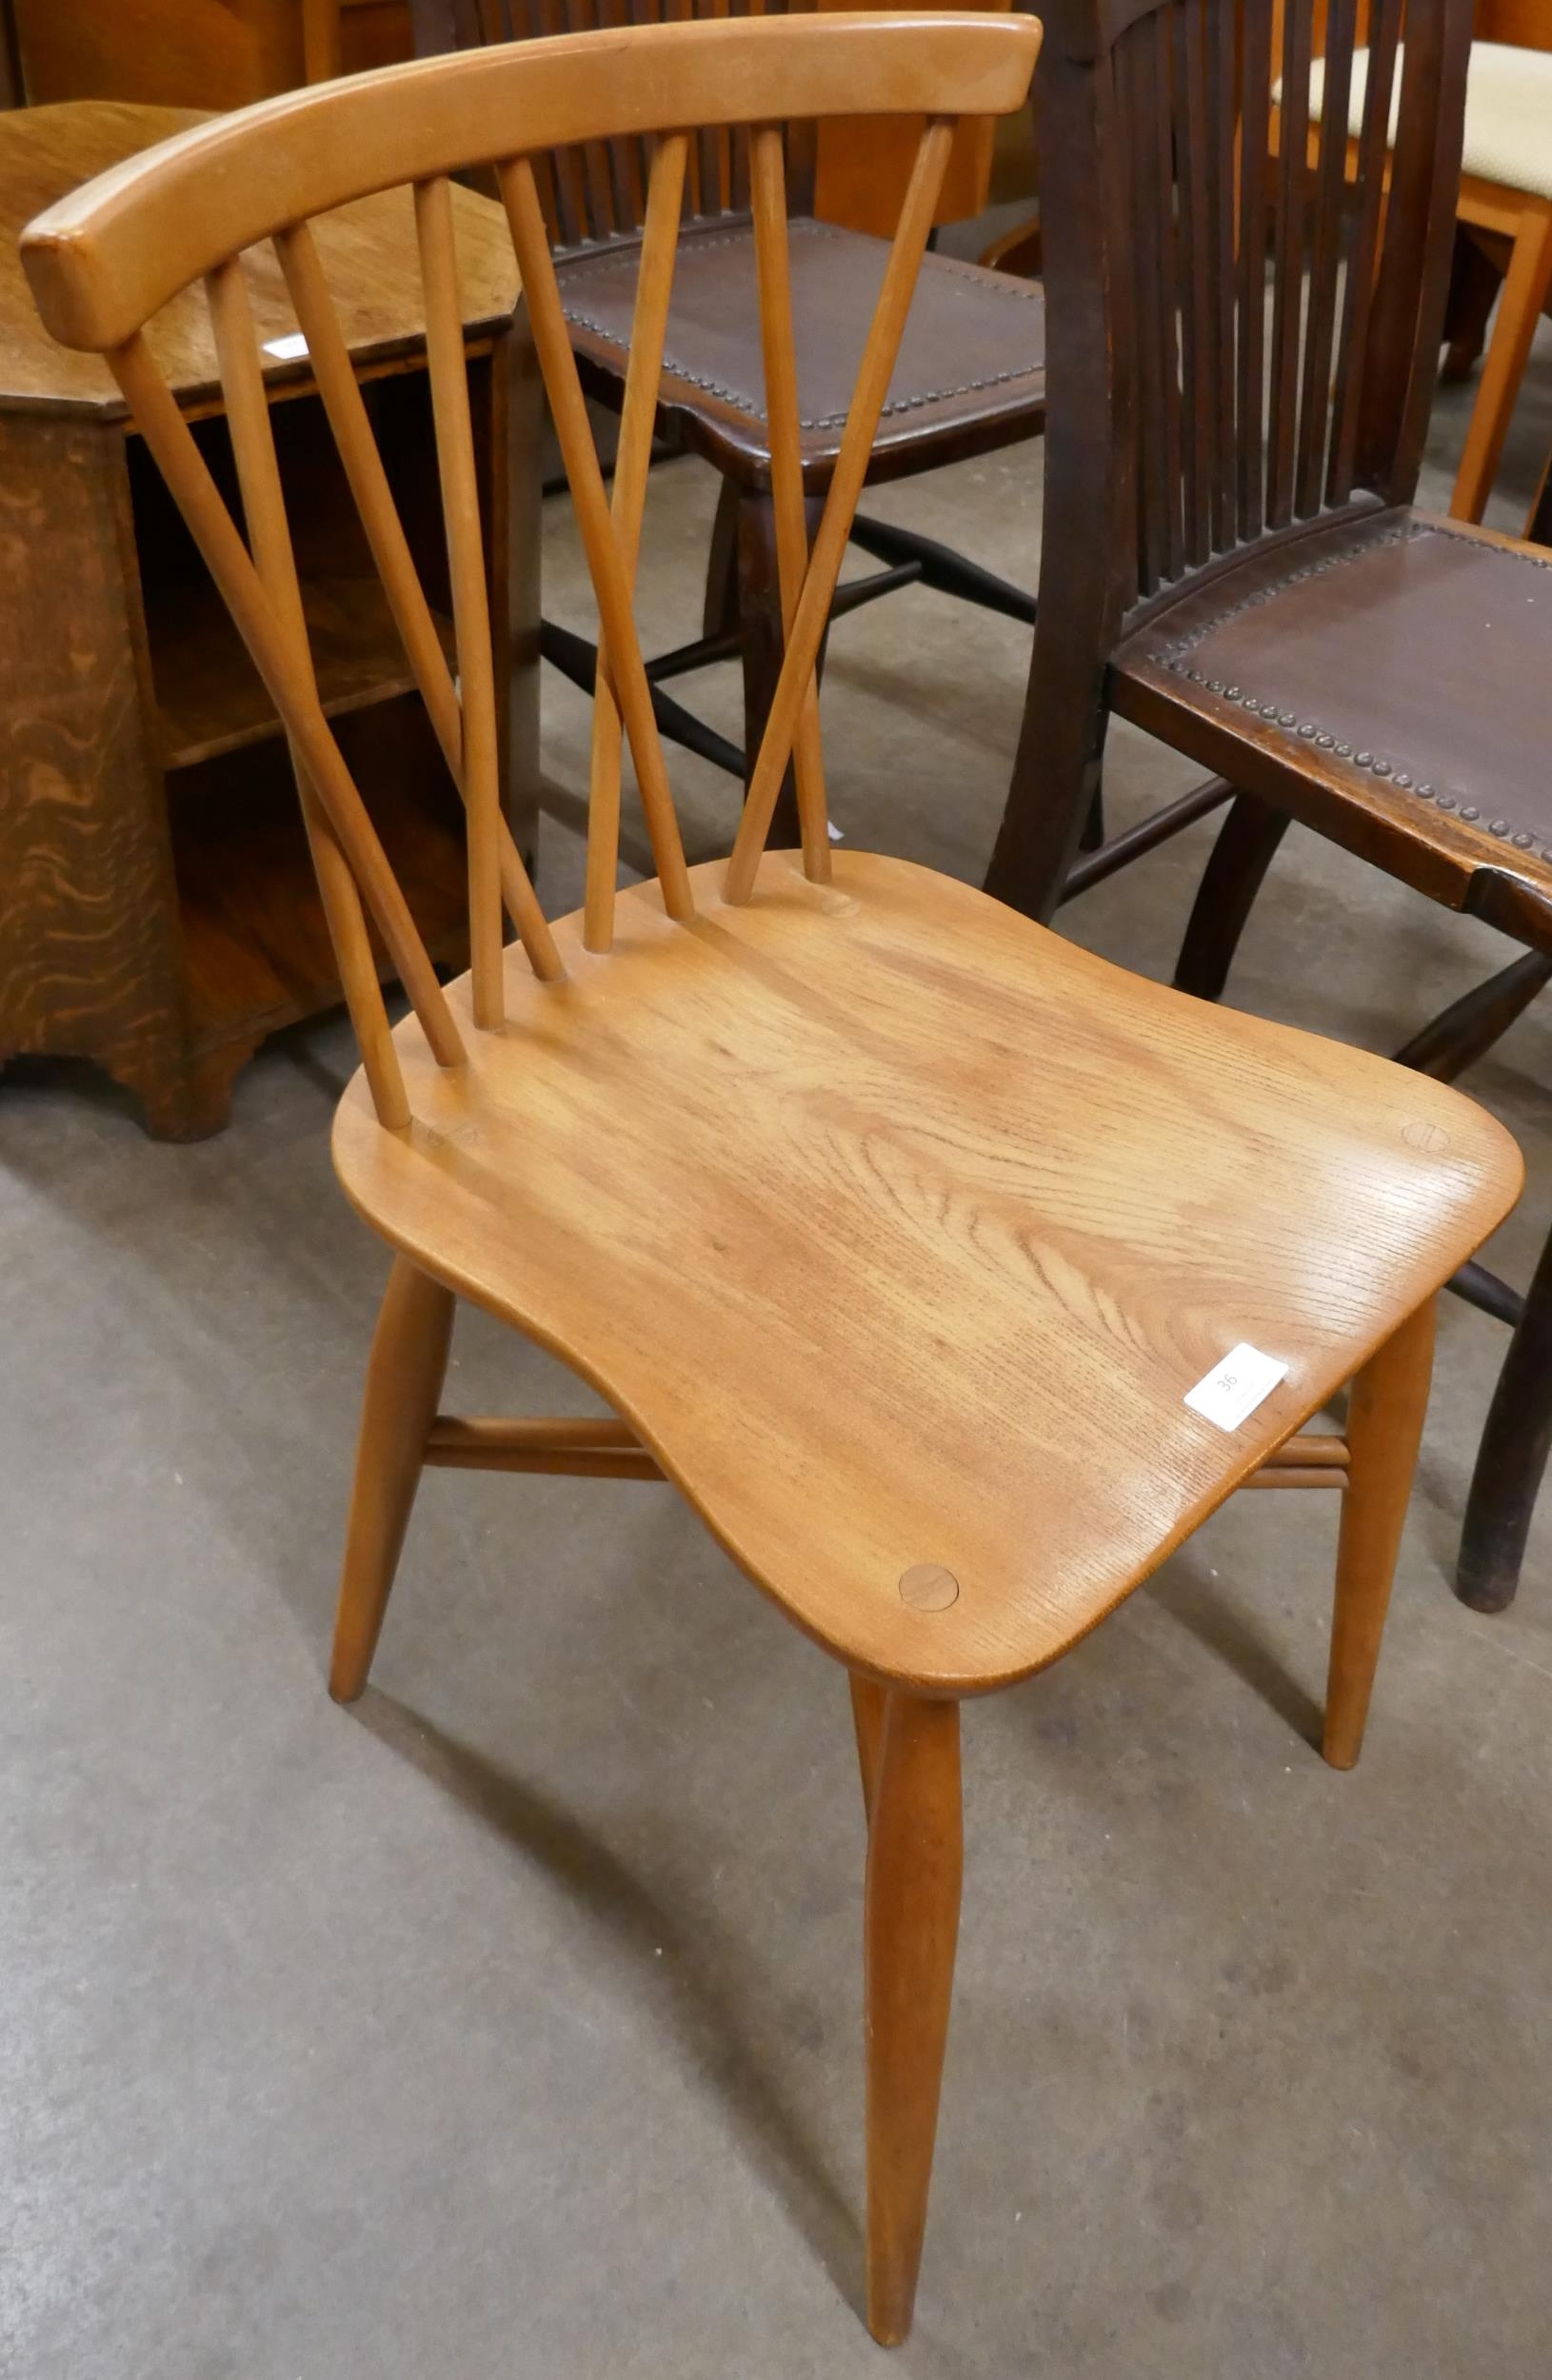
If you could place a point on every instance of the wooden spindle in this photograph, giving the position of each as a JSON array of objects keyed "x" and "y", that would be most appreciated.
[
  {"x": 346, "y": 409},
  {"x": 633, "y": 455},
  {"x": 1156, "y": 471},
  {"x": 738, "y": 172},
  {"x": 543, "y": 176},
  {"x": 1358, "y": 293},
  {"x": 248, "y": 417},
  {"x": 449, "y": 373},
  {"x": 1255, "y": 135},
  {"x": 1198, "y": 394},
  {"x": 287, "y": 678},
  {"x": 774, "y": 270},
  {"x": 851, "y": 463},
  {"x": 552, "y": 342},
  {"x": 1218, "y": 140},
  {"x": 1163, "y": 452},
  {"x": 1330, "y": 215},
  {"x": 1288, "y": 265},
  {"x": 1413, "y": 285}
]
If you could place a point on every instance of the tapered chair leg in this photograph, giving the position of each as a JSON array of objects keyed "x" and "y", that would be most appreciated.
[
  {"x": 1526, "y": 286},
  {"x": 914, "y": 1859},
  {"x": 404, "y": 1381},
  {"x": 1245, "y": 848},
  {"x": 1512, "y": 1458},
  {"x": 867, "y": 1704},
  {"x": 1385, "y": 1428}
]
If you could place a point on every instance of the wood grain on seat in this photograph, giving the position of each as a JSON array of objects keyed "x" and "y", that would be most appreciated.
[{"x": 900, "y": 1228}]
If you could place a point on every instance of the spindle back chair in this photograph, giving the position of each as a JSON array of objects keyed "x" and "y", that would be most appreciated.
[
  {"x": 1233, "y": 451},
  {"x": 208, "y": 201},
  {"x": 1214, "y": 407},
  {"x": 873, "y": 1211}
]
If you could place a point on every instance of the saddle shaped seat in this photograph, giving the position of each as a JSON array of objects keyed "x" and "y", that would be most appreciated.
[{"x": 899, "y": 1228}]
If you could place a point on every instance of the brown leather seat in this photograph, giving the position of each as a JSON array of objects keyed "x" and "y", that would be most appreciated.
[
  {"x": 970, "y": 375},
  {"x": 1403, "y": 659}
]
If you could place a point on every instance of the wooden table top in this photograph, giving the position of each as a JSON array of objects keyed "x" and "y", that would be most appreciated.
[{"x": 369, "y": 252}]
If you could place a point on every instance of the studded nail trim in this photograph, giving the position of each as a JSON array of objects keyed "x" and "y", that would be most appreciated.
[
  {"x": 1176, "y": 657},
  {"x": 572, "y": 272}
]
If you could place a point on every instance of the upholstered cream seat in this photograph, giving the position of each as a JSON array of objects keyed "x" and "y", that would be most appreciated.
[{"x": 1508, "y": 112}]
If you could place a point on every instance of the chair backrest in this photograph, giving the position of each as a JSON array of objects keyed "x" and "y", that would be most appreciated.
[
  {"x": 1241, "y": 338},
  {"x": 598, "y": 192},
  {"x": 104, "y": 259}
]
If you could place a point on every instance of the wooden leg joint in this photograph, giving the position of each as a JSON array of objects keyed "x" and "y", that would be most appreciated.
[{"x": 1319, "y": 1462}]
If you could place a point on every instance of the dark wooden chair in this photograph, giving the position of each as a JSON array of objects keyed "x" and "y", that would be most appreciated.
[
  {"x": 1231, "y": 556},
  {"x": 970, "y": 375},
  {"x": 1539, "y": 520}
]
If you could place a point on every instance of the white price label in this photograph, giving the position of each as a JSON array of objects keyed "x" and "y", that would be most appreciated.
[
  {"x": 288, "y": 348},
  {"x": 1234, "y": 1388}
]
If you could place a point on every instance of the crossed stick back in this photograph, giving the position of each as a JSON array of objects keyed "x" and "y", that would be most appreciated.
[{"x": 104, "y": 259}]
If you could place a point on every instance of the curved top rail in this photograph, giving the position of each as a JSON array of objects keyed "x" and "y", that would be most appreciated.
[{"x": 105, "y": 259}]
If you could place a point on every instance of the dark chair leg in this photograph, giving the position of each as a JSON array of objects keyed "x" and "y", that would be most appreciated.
[
  {"x": 1474, "y": 285},
  {"x": 1467, "y": 1029},
  {"x": 760, "y": 619},
  {"x": 1511, "y": 1459},
  {"x": 1537, "y": 529},
  {"x": 1093, "y": 836},
  {"x": 1054, "y": 801},
  {"x": 1246, "y": 845},
  {"x": 720, "y": 611}
]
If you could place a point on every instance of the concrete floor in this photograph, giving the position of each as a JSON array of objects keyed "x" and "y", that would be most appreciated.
[{"x": 508, "y": 2025}]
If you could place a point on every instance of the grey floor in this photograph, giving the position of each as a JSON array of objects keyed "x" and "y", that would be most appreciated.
[{"x": 509, "y": 2024}]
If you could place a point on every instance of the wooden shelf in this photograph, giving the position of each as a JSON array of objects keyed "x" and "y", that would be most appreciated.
[
  {"x": 256, "y": 954},
  {"x": 211, "y": 698}
]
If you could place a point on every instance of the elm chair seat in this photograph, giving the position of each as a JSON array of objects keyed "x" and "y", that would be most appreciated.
[
  {"x": 887, "y": 1138},
  {"x": 1401, "y": 661},
  {"x": 970, "y": 375}
]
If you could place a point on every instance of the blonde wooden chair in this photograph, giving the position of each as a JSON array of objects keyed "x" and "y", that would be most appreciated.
[{"x": 895, "y": 1231}]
